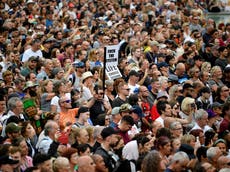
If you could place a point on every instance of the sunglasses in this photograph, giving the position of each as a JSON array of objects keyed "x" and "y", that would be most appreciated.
[{"x": 67, "y": 101}]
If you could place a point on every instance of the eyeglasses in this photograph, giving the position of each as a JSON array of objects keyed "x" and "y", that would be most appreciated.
[
  {"x": 227, "y": 90},
  {"x": 178, "y": 129},
  {"x": 101, "y": 94},
  {"x": 126, "y": 89},
  {"x": 67, "y": 101},
  {"x": 107, "y": 119}
]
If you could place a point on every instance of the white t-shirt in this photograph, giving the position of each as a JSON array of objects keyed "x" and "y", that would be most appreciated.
[
  {"x": 28, "y": 53},
  {"x": 132, "y": 88},
  {"x": 86, "y": 93}
]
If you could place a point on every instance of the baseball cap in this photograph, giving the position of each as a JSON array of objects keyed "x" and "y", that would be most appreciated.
[
  {"x": 115, "y": 111},
  {"x": 137, "y": 110},
  {"x": 162, "y": 64},
  {"x": 108, "y": 131},
  {"x": 173, "y": 78},
  {"x": 56, "y": 70},
  {"x": 79, "y": 64},
  {"x": 162, "y": 94},
  {"x": 126, "y": 107},
  {"x": 12, "y": 128}
]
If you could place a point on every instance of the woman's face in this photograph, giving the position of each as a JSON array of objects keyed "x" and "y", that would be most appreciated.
[
  {"x": 24, "y": 148},
  {"x": 84, "y": 136},
  {"x": 166, "y": 149},
  {"x": 73, "y": 158},
  {"x": 147, "y": 146},
  {"x": 192, "y": 142},
  {"x": 49, "y": 87},
  {"x": 176, "y": 144},
  {"x": 222, "y": 147},
  {"x": 87, "y": 152},
  {"x": 30, "y": 132}
]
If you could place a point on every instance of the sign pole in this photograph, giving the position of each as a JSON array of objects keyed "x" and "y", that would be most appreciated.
[{"x": 103, "y": 82}]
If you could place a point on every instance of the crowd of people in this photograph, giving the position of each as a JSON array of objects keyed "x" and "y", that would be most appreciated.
[{"x": 59, "y": 111}]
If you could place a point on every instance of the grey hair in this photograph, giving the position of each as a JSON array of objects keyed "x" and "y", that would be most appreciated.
[
  {"x": 48, "y": 127},
  {"x": 12, "y": 103},
  {"x": 179, "y": 157},
  {"x": 199, "y": 114},
  {"x": 172, "y": 91},
  {"x": 211, "y": 152},
  {"x": 174, "y": 124},
  {"x": 97, "y": 131}
]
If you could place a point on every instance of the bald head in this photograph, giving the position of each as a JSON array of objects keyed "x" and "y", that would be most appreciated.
[{"x": 85, "y": 164}]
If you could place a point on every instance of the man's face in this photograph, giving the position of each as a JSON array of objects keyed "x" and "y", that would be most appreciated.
[
  {"x": 168, "y": 110},
  {"x": 125, "y": 90},
  {"x": 181, "y": 166},
  {"x": 100, "y": 164},
  {"x": 85, "y": 116},
  {"x": 2, "y": 106}
]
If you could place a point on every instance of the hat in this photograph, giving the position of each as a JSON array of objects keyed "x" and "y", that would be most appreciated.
[
  {"x": 126, "y": 107},
  {"x": 56, "y": 70},
  {"x": 30, "y": 84},
  {"x": 78, "y": 64},
  {"x": 161, "y": 95},
  {"x": 133, "y": 72},
  {"x": 33, "y": 58},
  {"x": 40, "y": 158},
  {"x": 30, "y": 2},
  {"x": 162, "y": 64},
  {"x": 12, "y": 128},
  {"x": 188, "y": 150},
  {"x": 108, "y": 131},
  {"x": 137, "y": 110},
  {"x": 49, "y": 40},
  {"x": 115, "y": 111},
  {"x": 86, "y": 75},
  {"x": 5, "y": 159},
  {"x": 82, "y": 109},
  {"x": 172, "y": 78},
  {"x": 154, "y": 43}
]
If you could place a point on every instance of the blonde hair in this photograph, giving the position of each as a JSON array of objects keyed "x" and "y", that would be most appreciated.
[
  {"x": 187, "y": 138},
  {"x": 204, "y": 66},
  {"x": 187, "y": 101},
  {"x": 214, "y": 69}
]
